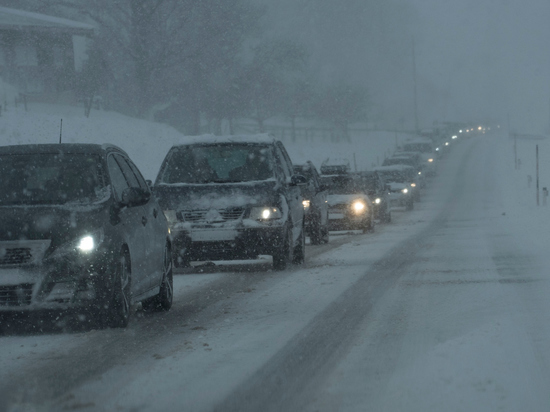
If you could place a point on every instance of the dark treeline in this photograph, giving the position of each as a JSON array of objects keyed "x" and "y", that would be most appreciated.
[{"x": 196, "y": 62}]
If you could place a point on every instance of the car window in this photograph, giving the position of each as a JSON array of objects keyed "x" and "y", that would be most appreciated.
[
  {"x": 118, "y": 181},
  {"x": 128, "y": 173},
  {"x": 136, "y": 173},
  {"x": 284, "y": 168}
]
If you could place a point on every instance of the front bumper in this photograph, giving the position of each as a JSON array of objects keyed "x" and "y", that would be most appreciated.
[
  {"x": 344, "y": 219},
  {"x": 229, "y": 243},
  {"x": 57, "y": 285}
]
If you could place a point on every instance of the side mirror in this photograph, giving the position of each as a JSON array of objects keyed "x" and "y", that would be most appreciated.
[
  {"x": 133, "y": 196},
  {"x": 149, "y": 183},
  {"x": 297, "y": 180}
]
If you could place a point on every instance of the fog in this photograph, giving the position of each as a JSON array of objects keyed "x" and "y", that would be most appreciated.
[{"x": 476, "y": 60}]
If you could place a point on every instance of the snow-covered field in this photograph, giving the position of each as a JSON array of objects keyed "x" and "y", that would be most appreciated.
[{"x": 446, "y": 308}]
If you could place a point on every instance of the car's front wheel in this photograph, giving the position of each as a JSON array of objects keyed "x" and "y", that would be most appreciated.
[
  {"x": 283, "y": 254},
  {"x": 118, "y": 311},
  {"x": 163, "y": 301}
]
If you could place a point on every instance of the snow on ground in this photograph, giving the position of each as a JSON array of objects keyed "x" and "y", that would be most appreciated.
[{"x": 147, "y": 143}]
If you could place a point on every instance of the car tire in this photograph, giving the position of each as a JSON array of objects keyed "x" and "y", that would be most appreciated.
[
  {"x": 299, "y": 255},
  {"x": 387, "y": 216},
  {"x": 163, "y": 301},
  {"x": 316, "y": 235},
  {"x": 118, "y": 311},
  {"x": 410, "y": 205},
  {"x": 282, "y": 255}
]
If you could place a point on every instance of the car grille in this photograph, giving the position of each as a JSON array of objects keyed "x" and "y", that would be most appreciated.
[
  {"x": 201, "y": 215},
  {"x": 16, "y": 253},
  {"x": 17, "y": 295},
  {"x": 15, "y": 256},
  {"x": 340, "y": 208}
]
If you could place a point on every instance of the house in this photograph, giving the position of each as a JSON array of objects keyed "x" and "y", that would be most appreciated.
[{"x": 41, "y": 55}]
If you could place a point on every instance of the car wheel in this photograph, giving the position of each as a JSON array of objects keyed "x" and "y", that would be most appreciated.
[
  {"x": 410, "y": 205},
  {"x": 118, "y": 312},
  {"x": 316, "y": 234},
  {"x": 282, "y": 256},
  {"x": 326, "y": 235},
  {"x": 299, "y": 255},
  {"x": 163, "y": 301},
  {"x": 387, "y": 216}
]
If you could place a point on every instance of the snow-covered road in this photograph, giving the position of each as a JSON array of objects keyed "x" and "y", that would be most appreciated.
[{"x": 444, "y": 309}]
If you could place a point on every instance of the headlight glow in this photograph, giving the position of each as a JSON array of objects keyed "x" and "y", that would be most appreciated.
[
  {"x": 455, "y": 136},
  {"x": 86, "y": 244},
  {"x": 405, "y": 190},
  {"x": 265, "y": 213},
  {"x": 446, "y": 143},
  {"x": 430, "y": 160},
  {"x": 306, "y": 203},
  {"x": 377, "y": 200},
  {"x": 358, "y": 206},
  {"x": 413, "y": 184}
]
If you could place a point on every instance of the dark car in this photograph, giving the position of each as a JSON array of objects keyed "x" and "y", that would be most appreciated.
[
  {"x": 315, "y": 204},
  {"x": 378, "y": 191},
  {"x": 232, "y": 197},
  {"x": 399, "y": 179},
  {"x": 349, "y": 206},
  {"x": 80, "y": 231}
]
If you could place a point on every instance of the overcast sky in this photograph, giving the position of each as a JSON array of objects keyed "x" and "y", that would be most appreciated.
[{"x": 481, "y": 59}]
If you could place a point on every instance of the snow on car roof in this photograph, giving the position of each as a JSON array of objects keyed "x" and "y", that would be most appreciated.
[
  {"x": 263, "y": 138},
  {"x": 393, "y": 168}
]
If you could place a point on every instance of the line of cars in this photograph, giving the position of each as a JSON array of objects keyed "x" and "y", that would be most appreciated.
[{"x": 82, "y": 232}]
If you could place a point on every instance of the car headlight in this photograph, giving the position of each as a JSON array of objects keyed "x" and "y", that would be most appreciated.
[
  {"x": 405, "y": 190},
  {"x": 86, "y": 244},
  {"x": 377, "y": 200},
  {"x": 265, "y": 213},
  {"x": 359, "y": 206},
  {"x": 430, "y": 160},
  {"x": 419, "y": 173},
  {"x": 306, "y": 203},
  {"x": 171, "y": 216},
  {"x": 413, "y": 184}
]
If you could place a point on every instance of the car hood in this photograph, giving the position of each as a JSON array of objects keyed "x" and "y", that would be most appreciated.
[
  {"x": 216, "y": 196},
  {"x": 345, "y": 199},
  {"x": 56, "y": 223}
]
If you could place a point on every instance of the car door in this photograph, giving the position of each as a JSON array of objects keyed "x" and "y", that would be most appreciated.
[
  {"x": 294, "y": 195},
  {"x": 132, "y": 222},
  {"x": 321, "y": 197},
  {"x": 158, "y": 228}
]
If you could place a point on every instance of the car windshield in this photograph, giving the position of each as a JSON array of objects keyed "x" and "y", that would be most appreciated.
[
  {"x": 418, "y": 147},
  {"x": 51, "y": 179},
  {"x": 396, "y": 176},
  {"x": 342, "y": 185},
  {"x": 220, "y": 163}
]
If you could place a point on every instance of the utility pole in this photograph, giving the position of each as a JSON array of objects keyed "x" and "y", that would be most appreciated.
[
  {"x": 537, "y": 156},
  {"x": 416, "y": 128}
]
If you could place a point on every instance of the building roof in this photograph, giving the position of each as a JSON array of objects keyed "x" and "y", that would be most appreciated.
[{"x": 21, "y": 19}]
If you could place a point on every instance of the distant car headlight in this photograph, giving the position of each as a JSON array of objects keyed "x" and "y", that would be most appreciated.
[
  {"x": 455, "y": 136},
  {"x": 419, "y": 173},
  {"x": 446, "y": 143},
  {"x": 405, "y": 190},
  {"x": 171, "y": 216},
  {"x": 359, "y": 206},
  {"x": 437, "y": 149},
  {"x": 430, "y": 160},
  {"x": 413, "y": 184},
  {"x": 265, "y": 213},
  {"x": 377, "y": 200},
  {"x": 306, "y": 204}
]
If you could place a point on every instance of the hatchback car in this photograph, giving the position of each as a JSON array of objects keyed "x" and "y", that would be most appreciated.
[
  {"x": 399, "y": 179},
  {"x": 315, "y": 204},
  {"x": 350, "y": 208},
  {"x": 80, "y": 231},
  {"x": 373, "y": 184},
  {"x": 232, "y": 197}
]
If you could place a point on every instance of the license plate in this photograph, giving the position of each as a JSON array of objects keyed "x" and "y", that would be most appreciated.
[
  {"x": 213, "y": 235},
  {"x": 335, "y": 216}
]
